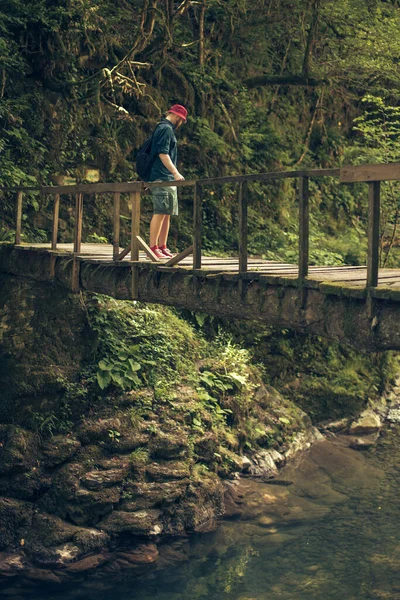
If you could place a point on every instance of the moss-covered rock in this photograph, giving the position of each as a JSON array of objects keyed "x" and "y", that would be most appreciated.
[
  {"x": 15, "y": 522},
  {"x": 18, "y": 449},
  {"x": 139, "y": 496},
  {"x": 169, "y": 446},
  {"x": 140, "y": 523},
  {"x": 38, "y": 319}
]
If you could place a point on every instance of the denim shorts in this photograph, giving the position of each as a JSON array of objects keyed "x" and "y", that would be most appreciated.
[{"x": 165, "y": 200}]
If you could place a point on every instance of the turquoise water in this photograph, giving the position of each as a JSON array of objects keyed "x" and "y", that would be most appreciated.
[{"x": 333, "y": 534}]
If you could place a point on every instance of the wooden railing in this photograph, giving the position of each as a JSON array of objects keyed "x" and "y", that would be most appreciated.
[{"x": 373, "y": 174}]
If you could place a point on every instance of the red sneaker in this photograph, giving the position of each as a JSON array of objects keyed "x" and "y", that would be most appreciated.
[
  {"x": 157, "y": 251},
  {"x": 166, "y": 252}
]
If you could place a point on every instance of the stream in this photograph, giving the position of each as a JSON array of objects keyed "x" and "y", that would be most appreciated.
[{"x": 328, "y": 531}]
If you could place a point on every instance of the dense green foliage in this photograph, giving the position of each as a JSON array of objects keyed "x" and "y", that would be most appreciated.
[
  {"x": 269, "y": 86},
  {"x": 326, "y": 379}
]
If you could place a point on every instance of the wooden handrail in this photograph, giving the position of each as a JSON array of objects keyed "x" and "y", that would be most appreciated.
[{"x": 132, "y": 186}]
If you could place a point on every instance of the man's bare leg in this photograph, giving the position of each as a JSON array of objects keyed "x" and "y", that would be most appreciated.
[
  {"x": 155, "y": 228},
  {"x": 163, "y": 236}
]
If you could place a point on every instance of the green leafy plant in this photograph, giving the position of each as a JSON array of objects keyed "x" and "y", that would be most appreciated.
[
  {"x": 114, "y": 435},
  {"x": 140, "y": 456},
  {"x": 122, "y": 373}
]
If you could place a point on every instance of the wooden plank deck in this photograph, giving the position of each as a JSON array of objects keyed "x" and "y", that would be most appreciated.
[{"x": 353, "y": 276}]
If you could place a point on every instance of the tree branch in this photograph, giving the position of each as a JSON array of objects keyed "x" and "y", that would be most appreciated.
[{"x": 261, "y": 80}]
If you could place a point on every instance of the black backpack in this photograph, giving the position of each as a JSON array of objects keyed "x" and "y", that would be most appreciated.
[{"x": 144, "y": 162}]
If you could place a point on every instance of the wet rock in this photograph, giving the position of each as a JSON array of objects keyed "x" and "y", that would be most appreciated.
[
  {"x": 368, "y": 422},
  {"x": 97, "y": 480},
  {"x": 345, "y": 468},
  {"x": 264, "y": 465},
  {"x": 393, "y": 415},
  {"x": 58, "y": 450},
  {"x": 97, "y": 431},
  {"x": 234, "y": 498},
  {"x": 11, "y": 564},
  {"x": 365, "y": 442},
  {"x": 138, "y": 496},
  {"x": 18, "y": 449},
  {"x": 143, "y": 554},
  {"x": 246, "y": 464},
  {"x": 15, "y": 521},
  {"x": 167, "y": 446},
  {"x": 168, "y": 470},
  {"x": 90, "y": 563},
  {"x": 278, "y": 458},
  {"x": 173, "y": 554},
  {"x": 335, "y": 426},
  {"x": 198, "y": 510},
  {"x": 303, "y": 441},
  {"x": 42, "y": 575},
  {"x": 144, "y": 522}
]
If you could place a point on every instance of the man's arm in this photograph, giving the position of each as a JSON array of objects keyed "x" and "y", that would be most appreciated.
[{"x": 168, "y": 164}]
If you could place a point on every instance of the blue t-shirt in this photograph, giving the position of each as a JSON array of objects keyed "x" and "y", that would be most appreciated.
[{"x": 164, "y": 142}]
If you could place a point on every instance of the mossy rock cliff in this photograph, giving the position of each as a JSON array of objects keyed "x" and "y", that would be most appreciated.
[{"x": 119, "y": 424}]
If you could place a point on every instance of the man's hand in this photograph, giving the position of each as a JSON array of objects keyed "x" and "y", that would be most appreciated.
[{"x": 178, "y": 176}]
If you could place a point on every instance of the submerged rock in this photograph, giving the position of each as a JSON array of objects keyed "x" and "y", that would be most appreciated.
[{"x": 365, "y": 442}]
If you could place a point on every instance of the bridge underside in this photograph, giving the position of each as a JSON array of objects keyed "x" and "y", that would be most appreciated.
[{"x": 333, "y": 309}]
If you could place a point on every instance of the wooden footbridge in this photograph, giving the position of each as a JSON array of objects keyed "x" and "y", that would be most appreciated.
[{"x": 355, "y": 305}]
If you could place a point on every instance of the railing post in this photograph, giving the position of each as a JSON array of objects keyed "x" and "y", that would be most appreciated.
[
  {"x": 78, "y": 222},
  {"x": 135, "y": 225},
  {"x": 56, "y": 210},
  {"x": 197, "y": 225},
  {"x": 116, "y": 227},
  {"x": 242, "y": 193},
  {"x": 374, "y": 198},
  {"x": 135, "y": 232},
  {"x": 243, "y": 228},
  {"x": 304, "y": 223},
  {"x": 77, "y": 240},
  {"x": 18, "y": 218}
]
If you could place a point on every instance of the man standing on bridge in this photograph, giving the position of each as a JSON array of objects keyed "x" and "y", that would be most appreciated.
[{"x": 165, "y": 157}]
